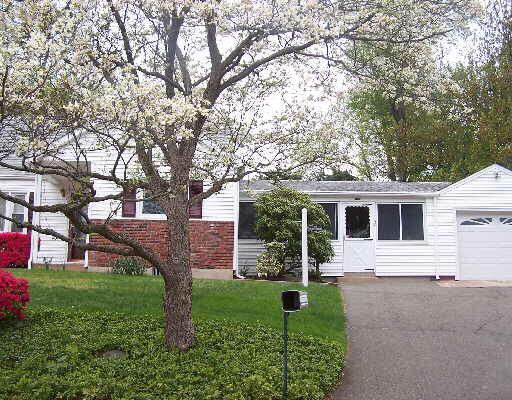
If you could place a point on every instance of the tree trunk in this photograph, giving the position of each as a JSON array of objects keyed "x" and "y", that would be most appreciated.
[{"x": 177, "y": 274}]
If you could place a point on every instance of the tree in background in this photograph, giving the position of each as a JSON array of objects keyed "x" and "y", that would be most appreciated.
[
  {"x": 175, "y": 91},
  {"x": 336, "y": 175},
  {"x": 438, "y": 123},
  {"x": 475, "y": 111},
  {"x": 278, "y": 220}
]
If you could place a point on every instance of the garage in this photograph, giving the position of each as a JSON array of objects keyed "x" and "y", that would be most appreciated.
[{"x": 485, "y": 246}]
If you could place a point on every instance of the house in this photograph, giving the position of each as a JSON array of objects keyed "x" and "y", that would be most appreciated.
[
  {"x": 461, "y": 230},
  {"x": 212, "y": 222}
]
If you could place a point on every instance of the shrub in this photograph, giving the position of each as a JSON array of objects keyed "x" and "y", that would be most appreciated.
[
  {"x": 128, "y": 266},
  {"x": 14, "y": 296},
  {"x": 271, "y": 262},
  {"x": 14, "y": 249},
  {"x": 278, "y": 216}
]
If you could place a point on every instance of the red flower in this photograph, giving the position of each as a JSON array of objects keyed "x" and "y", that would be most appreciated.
[
  {"x": 14, "y": 295},
  {"x": 14, "y": 249}
]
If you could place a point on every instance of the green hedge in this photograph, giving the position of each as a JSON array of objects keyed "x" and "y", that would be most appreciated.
[{"x": 57, "y": 354}]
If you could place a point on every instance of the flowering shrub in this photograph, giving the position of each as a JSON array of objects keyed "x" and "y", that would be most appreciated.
[
  {"x": 270, "y": 263},
  {"x": 14, "y": 295},
  {"x": 14, "y": 249}
]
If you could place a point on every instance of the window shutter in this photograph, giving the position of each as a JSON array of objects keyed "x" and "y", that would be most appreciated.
[
  {"x": 196, "y": 209},
  {"x": 30, "y": 212},
  {"x": 129, "y": 203}
]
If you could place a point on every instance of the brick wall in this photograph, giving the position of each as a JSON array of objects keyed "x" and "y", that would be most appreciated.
[{"x": 211, "y": 242}]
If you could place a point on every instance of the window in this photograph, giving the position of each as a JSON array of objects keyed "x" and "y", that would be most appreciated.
[
  {"x": 15, "y": 211},
  {"x": 331, "y": 209},
  {"x": 129, "y": 203},
  {"x": 150, "y": 206},
  {"x": 357, "y": 222},
  {"x": 246, "y": 220},
  {"x": 477, "y": 221},
  {"x": 400, "y": 222}
]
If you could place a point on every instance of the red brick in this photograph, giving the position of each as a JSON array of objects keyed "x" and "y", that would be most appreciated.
[{"x": 211, "y": 242}]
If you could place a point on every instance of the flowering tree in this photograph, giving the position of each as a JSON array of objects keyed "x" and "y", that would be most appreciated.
[{"x": 172, "y": 91}]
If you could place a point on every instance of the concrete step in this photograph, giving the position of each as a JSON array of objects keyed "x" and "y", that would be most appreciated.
[{"x": 356, "y": 276}]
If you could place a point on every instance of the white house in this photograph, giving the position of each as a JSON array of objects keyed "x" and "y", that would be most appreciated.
[{"x": 462, "y": 230}]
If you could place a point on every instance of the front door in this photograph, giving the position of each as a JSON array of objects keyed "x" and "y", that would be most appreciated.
[
  {"x": 77, "y": 237},
  {"x": 358, "y": 248}
]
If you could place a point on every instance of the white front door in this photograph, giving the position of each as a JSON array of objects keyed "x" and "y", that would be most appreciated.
[
  {"x": 485, "y": 246},
  {"x": 358, "y": 248}
]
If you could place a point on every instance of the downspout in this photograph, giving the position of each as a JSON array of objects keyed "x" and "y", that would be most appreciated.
[
  {"x": 436, "y": 238},
  {"x": 38, "y": 182}
]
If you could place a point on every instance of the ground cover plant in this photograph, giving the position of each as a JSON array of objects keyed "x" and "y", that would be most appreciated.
[{"x": 100, "y": 336}]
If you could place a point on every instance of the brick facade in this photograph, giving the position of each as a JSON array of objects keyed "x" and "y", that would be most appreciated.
[{"x": 211, "y": 242}]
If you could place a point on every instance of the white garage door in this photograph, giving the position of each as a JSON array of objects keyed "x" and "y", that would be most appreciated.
[{"x": 485, "y": 247}]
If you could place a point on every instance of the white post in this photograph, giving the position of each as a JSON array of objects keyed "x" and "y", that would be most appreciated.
[{"x": 305, "y": 266}]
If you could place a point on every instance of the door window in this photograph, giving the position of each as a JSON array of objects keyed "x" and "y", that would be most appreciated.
[{"x": 357, "y": 222}]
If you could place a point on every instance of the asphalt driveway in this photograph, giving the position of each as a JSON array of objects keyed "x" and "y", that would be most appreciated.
[{"x": 412, "y": 339}]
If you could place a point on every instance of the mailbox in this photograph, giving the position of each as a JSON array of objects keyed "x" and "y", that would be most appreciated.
[{"x": 294, "y": 300}]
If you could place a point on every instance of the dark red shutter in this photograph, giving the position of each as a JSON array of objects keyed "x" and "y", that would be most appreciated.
[
  {"x": 30, "y": 212},
  {"x": 129, "y": 203},
  {"x": 196, "y": 209}
]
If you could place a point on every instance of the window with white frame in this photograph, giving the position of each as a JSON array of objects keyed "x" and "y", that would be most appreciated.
[
  {"x": 400, "y": 222},
  {"x": 15, "y": 211}
]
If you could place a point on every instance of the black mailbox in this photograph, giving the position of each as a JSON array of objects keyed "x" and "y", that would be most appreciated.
[{"x": 294, "y": 300}]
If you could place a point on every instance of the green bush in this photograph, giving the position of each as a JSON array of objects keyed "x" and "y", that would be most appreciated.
[
  {"x": 128, "y": 266},
  {"x": 57, "y": 354},
  {"x": 278, "y": 216}
]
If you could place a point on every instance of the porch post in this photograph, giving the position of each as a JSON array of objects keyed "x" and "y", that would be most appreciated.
[{"x": 34, "y": 239}]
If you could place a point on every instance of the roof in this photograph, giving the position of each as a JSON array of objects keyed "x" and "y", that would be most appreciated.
[{"x": 348, "y": 186}]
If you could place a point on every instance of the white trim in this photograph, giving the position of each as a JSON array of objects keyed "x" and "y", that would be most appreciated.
[
  {"x": 493, "y": 167},
  {"x": 236, "y": 210},
  {"x": 38, "y": 182}
]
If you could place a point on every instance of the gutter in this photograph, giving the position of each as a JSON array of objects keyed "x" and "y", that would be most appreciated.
[{"x": 360, "y": 194}]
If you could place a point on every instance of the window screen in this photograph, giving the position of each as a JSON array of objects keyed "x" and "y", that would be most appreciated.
[
  {"x": 389, "y": 221},
  {"x": 246, "y": 221},
  {"x": 412, "y": 222},
  {"x": 150, "y": 206},
  {"x": 18, "y": 213},
  {"x": 357, "y": 222},
  {"x": 331, "y": 209}
]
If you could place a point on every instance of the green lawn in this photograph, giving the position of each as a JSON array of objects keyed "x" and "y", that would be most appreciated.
[{"x": 74, "y": 317}]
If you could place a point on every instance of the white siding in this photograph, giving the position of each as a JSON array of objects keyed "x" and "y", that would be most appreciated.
[
  {"x": 219, "y": 207},
  {"x": 10, "y": 174},
  {"x": 403, "y": 258},
  {"x": 483, "y": 191},
  {"x": 438, "y": 255},
  {"x": 50, "y": 248}
]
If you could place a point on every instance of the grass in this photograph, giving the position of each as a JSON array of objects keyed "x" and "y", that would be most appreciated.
[{"x": 73, "y": 317}]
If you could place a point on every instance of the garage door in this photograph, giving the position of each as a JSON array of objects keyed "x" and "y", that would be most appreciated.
[{"x": 485, "y": 247}]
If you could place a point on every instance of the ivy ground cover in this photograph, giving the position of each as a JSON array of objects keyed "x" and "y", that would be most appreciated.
[{"x": 99, "y": 336}]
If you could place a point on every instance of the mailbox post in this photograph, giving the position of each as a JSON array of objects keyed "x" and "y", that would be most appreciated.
[{"x": 293, "y": 300}]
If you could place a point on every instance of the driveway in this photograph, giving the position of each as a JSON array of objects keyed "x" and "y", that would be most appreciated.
[{"x": 412, "y": 339}]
